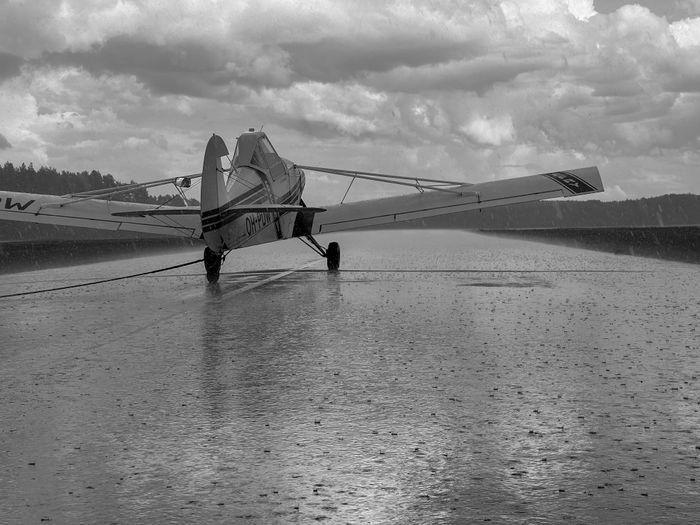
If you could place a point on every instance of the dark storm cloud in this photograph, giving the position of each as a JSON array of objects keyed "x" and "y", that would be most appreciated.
[
  {"x": 477, "y": 76},
  {"x": 683, "y": 75},
  {"x": 331, "y": 59},
  {"x": 183, "y": 68},
  {"x": 4, "y": 143},
  {"x": 689, "y": 83},
  {"x": 629, "y": 87},
  {"x": 317, "y": 128},
  {"x": 9, "y": 65}
]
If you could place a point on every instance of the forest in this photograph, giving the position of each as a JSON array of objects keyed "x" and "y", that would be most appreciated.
[
  {"x": 50, "y": 181},
  {"x": 664, "y": 210}
]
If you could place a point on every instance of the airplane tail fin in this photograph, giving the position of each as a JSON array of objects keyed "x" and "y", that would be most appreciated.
[{"x": 213, "y": 187}]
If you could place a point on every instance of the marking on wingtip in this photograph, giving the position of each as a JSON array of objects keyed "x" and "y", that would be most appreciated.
[{"x": 571, "y": 182}]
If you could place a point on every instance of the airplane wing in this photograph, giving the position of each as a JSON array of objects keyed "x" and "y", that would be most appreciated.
[
  {"x": 451, "y": 198},
  {"x": 95, "y": 209},
  {"x": 93, "y": 212}
]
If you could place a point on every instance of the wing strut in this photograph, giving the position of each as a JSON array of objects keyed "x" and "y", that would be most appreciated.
[
  {"x": 314, "y": 245},
  {"x": 346, "y": 191},
  {"x": 418, "y": 183},
  {"x": 109, "y": 192}
]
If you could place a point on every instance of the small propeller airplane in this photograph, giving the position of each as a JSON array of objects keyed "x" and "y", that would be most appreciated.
[{"x": 257, "y": 199}]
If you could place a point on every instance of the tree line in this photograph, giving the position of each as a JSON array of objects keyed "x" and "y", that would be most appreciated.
[
  {"x": 50, "y": 181},
  {"x": 664, "y": 210}
]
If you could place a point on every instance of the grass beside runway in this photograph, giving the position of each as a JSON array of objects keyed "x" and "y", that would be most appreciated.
[
  {"x": 23, "y": 256},
  {"x": 678, "y": 243}
]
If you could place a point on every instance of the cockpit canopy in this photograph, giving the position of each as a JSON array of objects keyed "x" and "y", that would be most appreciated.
[{"x": 254, "y": 149}]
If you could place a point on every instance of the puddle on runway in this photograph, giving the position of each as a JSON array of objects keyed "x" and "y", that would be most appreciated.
[
  {"x": 371, "y": 396},
  {"x": 508, "y": 283}
]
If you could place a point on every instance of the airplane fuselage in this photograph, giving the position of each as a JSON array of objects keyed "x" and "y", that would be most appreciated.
[
  {"x": 262, "y": 227},
  {"x": 257, "y": 176}
]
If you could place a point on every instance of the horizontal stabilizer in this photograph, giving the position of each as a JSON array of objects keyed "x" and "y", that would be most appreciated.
[
  {"x": 279, "y": 208},
  {"x": 214, "y": 219},
  {"x": 157, "y": 211},
  {"x": 238, "y": 210}
]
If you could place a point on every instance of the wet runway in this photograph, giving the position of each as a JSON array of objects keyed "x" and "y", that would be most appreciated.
[{"x": 440, "y": 377}]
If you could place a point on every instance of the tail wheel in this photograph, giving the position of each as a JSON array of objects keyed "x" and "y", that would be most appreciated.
[
  {"x": 333, "y": 256},
  {"x": 212, "y": 264}
]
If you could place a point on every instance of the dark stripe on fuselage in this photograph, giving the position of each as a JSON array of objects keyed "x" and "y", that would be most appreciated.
[
  {"x": 254, "y": 198},
  {"x": 249, "y": 197},
  {"x": 232, "y": 215},
  {"x": 234, "y": 201},
  {"x": 222, "y": 219}
]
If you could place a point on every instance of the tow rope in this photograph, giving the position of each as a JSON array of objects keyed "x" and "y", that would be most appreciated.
[{"x": 91, "y": 283}]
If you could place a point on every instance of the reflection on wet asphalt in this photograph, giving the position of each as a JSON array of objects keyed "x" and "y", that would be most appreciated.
[{"x": 498, "y": 388}]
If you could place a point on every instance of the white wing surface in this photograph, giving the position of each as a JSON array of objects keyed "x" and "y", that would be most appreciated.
[
  {"x": 99, "y": 214},
  {"x": 460, "y": 198}
]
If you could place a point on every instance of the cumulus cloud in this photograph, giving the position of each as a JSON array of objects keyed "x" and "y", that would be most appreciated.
[
  {"x": 4, "y": 143},
  {"x": 581, "y": 9},
  {"x": 687, "y": 32},
  {"x": 348, "y": 108},
  {"x": 490, "y": 131},
  {"x": 504, "y": 87},
  {"x": 672, "y": 10}
]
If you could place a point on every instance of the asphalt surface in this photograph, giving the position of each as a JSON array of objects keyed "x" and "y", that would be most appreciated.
[{"x": 439, "y": 377}]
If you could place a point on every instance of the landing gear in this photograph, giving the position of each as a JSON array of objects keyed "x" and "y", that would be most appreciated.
[
  {"x": 212, "y": 264},
  {"x": 332, "y": 253},
  {"x": 333, "y": 256}
]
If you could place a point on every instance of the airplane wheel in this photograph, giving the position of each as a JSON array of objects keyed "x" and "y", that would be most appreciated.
[
  {"x": 212, "y": 264},
  {"x": 333, "y": 256}
]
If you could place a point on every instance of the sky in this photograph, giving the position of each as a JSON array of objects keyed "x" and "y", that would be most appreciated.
[{"x": 461, "y": 90}]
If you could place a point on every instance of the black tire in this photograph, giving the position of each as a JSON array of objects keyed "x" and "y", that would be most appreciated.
[
  {"x": 333, "y": 256},
  {"x": 212, "y": 264}
]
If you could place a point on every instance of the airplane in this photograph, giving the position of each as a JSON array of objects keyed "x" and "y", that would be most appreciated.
[{"x": 257, "y": 198}]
